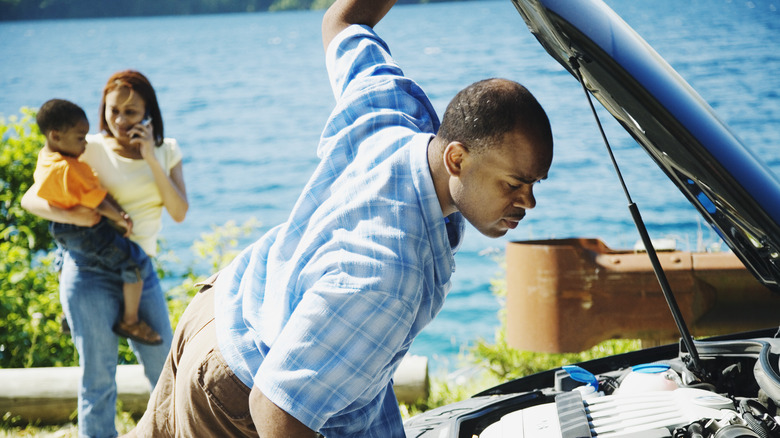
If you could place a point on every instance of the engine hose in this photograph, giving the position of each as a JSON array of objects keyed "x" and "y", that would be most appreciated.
[
  {"x": 758, "y": 427},
  {"x": 751, "y": 409}
]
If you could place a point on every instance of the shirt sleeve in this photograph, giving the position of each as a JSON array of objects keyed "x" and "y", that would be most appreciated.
[
  {"x": 69, "y": 185},
  {"x": 355, "y": 55},
  {"x": 172, "y": 153},
  {"x": 347, "y": 334},
  {"x": 371, "y": 91}
]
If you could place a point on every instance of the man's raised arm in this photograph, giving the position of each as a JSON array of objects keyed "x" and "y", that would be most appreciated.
[{"x": 344, "y": 13}]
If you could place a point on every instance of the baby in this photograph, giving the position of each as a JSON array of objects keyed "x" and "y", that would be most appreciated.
[{"x": 65, "y": 182}]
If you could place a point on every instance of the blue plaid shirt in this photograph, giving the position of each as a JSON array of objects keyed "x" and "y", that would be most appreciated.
[{"x": 320, "y": 311}]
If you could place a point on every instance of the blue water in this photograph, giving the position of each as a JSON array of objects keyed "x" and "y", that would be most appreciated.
[{"x": 247, "y": 94}]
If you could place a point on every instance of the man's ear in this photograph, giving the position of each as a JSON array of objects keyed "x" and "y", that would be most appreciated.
[{"x": 454, "y": 155}]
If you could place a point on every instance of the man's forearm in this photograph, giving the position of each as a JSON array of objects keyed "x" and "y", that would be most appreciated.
[
  {"x": 271, "y": 421},
  {"x": 344, "y": 13}
]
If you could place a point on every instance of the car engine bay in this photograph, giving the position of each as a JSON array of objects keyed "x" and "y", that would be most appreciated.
[{"x": 736, "y": 393}]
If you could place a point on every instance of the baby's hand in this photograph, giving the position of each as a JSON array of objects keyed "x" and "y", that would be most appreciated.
[
  {"x": 84, "y": 216},
  {"x": 128, "y": 224}
]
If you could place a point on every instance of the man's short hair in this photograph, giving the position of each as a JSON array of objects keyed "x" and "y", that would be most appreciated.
[
  {"x": 59, "y": 115},
  {"x": 481, "y": 114}
]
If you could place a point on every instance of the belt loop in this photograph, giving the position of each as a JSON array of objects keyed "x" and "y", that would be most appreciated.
[{"x": 207, "y": 283}]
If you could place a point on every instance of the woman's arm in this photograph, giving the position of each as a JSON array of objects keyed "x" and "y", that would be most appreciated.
[
  {"x": 171, "y": 187},
  {"x": 78, "y": 215}
]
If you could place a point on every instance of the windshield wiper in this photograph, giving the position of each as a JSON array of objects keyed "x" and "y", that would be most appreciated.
[{"x": 694, "y": 364}]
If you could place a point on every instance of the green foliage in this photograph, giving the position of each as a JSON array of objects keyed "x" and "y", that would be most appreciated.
[
  {"x": 20, "y": 141},
  {"x": 507, "y": 363},
  {"x": 30, "y": 311}
]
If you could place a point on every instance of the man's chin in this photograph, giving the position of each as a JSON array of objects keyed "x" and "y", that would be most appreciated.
[{"x": 493, "y": 232}]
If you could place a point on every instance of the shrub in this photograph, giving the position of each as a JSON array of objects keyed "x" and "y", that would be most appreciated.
[
  {"x": 30, "y": 310},
  {"x": 29, "y": 304},
  {"x": 20, "y": 141}
]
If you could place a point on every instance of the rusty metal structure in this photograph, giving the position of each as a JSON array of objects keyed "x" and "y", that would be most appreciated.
[{"x": 567, "y": 295}]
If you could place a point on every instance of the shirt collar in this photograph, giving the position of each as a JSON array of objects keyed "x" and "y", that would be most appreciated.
[{"x": 446, "y": 234}]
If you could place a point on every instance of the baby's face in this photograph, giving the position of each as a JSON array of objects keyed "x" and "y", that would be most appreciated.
[{"x": 72, "y": 142}]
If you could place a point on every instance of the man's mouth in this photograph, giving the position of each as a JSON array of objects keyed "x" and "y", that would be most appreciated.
[{"x": 513, "y": 220}]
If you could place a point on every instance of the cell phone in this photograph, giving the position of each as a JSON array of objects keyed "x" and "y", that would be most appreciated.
[{"x": 147, "y": 120}]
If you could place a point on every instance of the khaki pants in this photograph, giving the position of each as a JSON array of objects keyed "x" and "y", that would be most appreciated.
[{"x": 197, "y": 394}]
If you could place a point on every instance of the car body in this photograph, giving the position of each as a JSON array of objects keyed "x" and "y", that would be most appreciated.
[{"x": 721, "y": 387}]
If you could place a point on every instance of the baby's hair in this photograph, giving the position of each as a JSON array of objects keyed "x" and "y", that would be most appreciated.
[{"x": 59, "y": 115}]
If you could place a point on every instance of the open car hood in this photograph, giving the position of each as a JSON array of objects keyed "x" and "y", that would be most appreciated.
[
  {"x": 736, "y": 193},
  {"x": 736, "y": 377}
]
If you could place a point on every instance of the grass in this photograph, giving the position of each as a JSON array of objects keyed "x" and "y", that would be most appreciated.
[{"x": 124, "y": 423}]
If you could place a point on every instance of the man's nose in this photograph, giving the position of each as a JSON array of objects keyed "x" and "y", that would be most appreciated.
[{"x": 525, "y": 198}]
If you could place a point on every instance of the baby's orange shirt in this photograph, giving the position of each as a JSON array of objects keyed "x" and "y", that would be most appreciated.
[{"x": 66, "y": 182}]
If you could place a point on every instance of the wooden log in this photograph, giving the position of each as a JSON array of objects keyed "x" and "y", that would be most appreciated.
[
  {"x": 48, "y": 395},
  {"x": 410, "y": 381}
]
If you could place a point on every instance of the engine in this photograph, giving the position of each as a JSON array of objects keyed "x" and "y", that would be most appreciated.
[{"x": 651, "y": 401}]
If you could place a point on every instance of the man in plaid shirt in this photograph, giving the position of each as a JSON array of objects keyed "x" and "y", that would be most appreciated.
[{"x": 302, "y": 332}]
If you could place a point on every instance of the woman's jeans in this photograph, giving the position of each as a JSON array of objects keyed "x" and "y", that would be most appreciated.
[{"x": 92, "y": 301}]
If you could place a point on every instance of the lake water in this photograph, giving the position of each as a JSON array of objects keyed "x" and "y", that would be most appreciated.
[{"x": 247, "y": 94}]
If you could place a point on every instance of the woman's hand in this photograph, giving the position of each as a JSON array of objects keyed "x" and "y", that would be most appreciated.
[
  {"x": 142, "y": 139},
  {"x": 171, "y": 185}
]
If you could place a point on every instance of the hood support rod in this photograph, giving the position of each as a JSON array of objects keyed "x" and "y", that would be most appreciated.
[{"x": 695, "y": 363}]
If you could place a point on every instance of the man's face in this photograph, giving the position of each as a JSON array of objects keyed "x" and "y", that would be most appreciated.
[{"x": 493, "y": 189}]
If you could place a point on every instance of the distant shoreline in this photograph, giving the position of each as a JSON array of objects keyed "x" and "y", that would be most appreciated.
[{"x": 24, "y": 10}]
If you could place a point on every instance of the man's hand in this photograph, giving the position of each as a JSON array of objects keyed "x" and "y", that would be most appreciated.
[
  {"x": 273, "y": 422},
  {"x": 344, "y": 13}
]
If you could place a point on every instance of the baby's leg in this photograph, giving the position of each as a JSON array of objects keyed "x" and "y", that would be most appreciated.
[
  {"x": 132, "y": 295},
  {"x": 130, "y": 325}
]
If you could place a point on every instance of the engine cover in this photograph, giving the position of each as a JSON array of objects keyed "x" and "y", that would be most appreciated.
[{"x": 648, "y": 414}]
